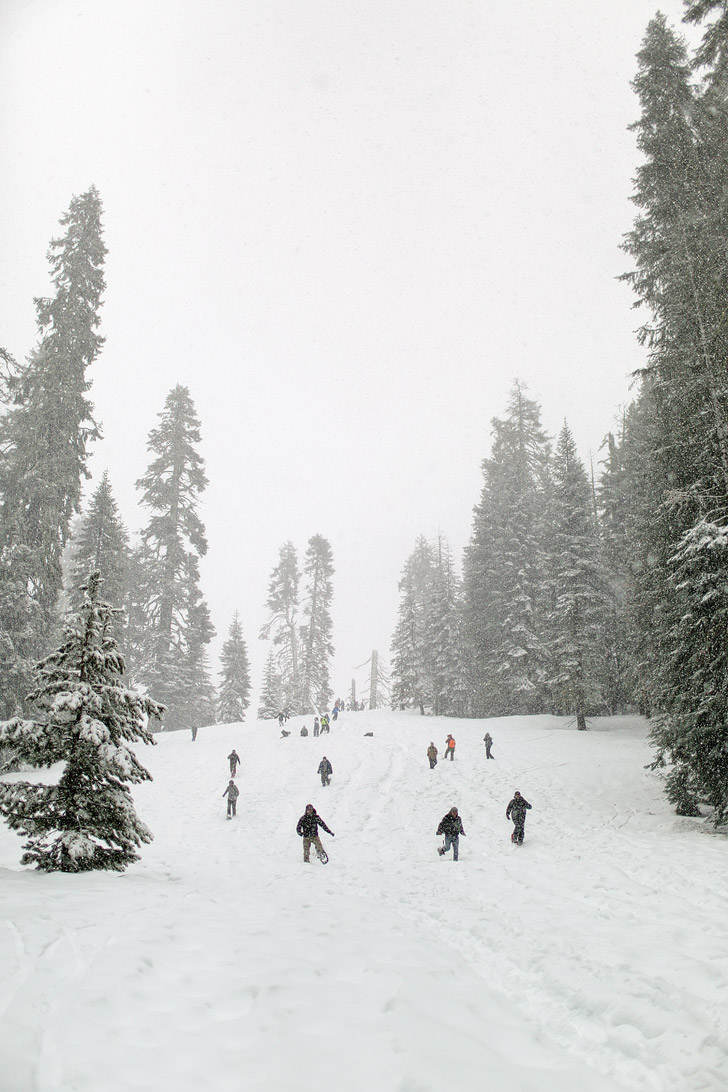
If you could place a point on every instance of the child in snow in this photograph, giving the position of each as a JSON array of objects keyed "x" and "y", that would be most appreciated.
[
  {"x": 316, "y": 726},
  {"x": 432, "y": 755},
  {"x": 326, "y": 770},
  {"x": 451, "y": 825},
  {"x": 307, "y": 828},
  {"x": 234, "y": 760},
  {"x": 450, "y": 748},
  {"x": 517, "y": 811},
  {"x": 232, "y": 792},
  {"x": 488, "y": 741}
]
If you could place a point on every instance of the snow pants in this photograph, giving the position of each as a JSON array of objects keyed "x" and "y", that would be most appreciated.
[
  {"x": 487, "y": 752},
  {"x": 454, "y": 841},
  {"x": 231, "y": 807},
  {"x": 518, "y": 830},
  {"x": 433, "y": 763},
  {"x": 315, "y": 841},
  {"x": 325, "y": 778},
  {"x": 451, "y": 753}
]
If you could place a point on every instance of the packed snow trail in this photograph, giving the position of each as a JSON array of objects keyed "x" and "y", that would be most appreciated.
[{"x": 593, "y": 957}]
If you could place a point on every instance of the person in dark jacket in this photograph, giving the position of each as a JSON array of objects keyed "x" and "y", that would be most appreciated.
[
  {"x": 316, "y": 726},
  {"x": 451, "y": 825},
  {"x": 432, "y": 755},
  {"x": 488, "y": 741},
  {"x": 307, "y": 828},
  {"x": 234, "y": 760},
  {"x": 232, "y": 792},
  {"x": 326, "y": 770},
  {"x": 516, "y": 810}
]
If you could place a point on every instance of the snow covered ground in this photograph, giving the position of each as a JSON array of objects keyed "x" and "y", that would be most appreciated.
[{"x": 594, "y": 958}]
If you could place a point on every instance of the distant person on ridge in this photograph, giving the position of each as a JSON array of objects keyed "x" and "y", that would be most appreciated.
[
  {"x": 234, "y": 760},
  {"x": 232, "y": 792},
  {"x": 281, "y": 718},
  {"x": 517, "y": 811},
  {"x": 488, "y": 741},
  {"x": 450, "y": 748},
  {"x": 432, "y": 755},
  {"x": 451, "y": 825},
  {"x": 307, "y": 828},
  {"x": 326, "y": 770}
]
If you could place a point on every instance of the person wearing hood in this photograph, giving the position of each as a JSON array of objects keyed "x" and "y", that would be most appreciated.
[
  {"x": 234, "y": 760},
  {"x": 516, "y": 810},
  {"x": 451, "y": 825},
  {"x": 432, "y": 755},
  {"x": 232, "y": 792},
  {"x": 307, "y": 828},
  {"x": 488, "y": 741},
  {"x": 326, "y": 770}
]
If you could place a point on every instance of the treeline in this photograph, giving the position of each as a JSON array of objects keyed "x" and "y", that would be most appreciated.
[
  {"x": 48, "y": 550},
  {"x": 587, "y": 598}
]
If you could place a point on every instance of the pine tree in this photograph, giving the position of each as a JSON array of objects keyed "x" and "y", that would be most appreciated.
[
  {"x": 101, "y": 543},
  {"x": 271, "y": 695},
  {"x": 88, "y": 720},
  {"x": 577, "y": 588},
  {"x": 449, "y": 696},
  {"x": 315, "y": 632},
  {"x": 170, "y": 655},
  {"x": 283, "y": 627},
  {"x": 44, "y": 439},
  {"x": 504, "y": 569},
  {"x": 234, "y": 692},
  {"x": 411, "y": 643}
]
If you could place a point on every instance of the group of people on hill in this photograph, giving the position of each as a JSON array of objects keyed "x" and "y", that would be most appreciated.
[{"x": 450, "y": 826}]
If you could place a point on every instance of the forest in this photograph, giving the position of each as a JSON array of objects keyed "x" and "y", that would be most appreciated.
[{"x": 583, "y": 590}]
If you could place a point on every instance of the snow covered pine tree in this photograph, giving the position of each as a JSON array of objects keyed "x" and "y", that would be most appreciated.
[{"x": 88, "y": 717}]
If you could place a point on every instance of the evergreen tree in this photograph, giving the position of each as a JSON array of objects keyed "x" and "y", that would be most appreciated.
[
  {"x": 44, "y": 438},
  {"x": 89, "y": 719},
  {"x": 171, "y": 648},
  {"x": 271, "y": 696},
  {"x": 411, "y": 649},
  {"x": 504, "y": 570},
  {"x": 316, "y": 647},
  {"x": 577, "y": 588},
  {"x": 101, "y": 543},
  {"x": 234, "y": 691},
  {"x": 282, "y": 626},
  {"x": 449, "y": 695}
]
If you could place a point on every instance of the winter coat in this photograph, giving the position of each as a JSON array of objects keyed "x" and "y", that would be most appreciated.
[
  {"x": 450, "y": 743},
  {"x": 308, "y": 825},
  {"x": 450, "y": 824},
  {"x": 325, "y": 767},
  {"x": 234, "y": 757},
  {"x": 517, "y": 808},
  {"x": 432, "y": 751},
  {"x": 232, "y": 792}
]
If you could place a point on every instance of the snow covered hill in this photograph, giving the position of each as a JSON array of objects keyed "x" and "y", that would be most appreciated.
[{"x": 594, "y": 958}]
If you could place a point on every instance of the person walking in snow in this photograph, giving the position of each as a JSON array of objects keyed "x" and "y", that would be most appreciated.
[
  {"x": 516, "y": 810},
  {"x": 281, "y": 718},
  {"x": 326, "y": 770},
  {"x": 488, "y": 741},
  {"x": 450, "y": 748},
  {"x": 325, "y": 723},
  {"x": 451, "y": 825},
  {"x": 232, "y": 792},
  {"x": 432, "y": 755},
  {"x": 234, "y": 760},
  {"x": 307, "y": 828},
  {"x": 316, "y": 726}
]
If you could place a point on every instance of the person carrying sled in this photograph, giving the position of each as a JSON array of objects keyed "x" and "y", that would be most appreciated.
[
  {"x": 451, "y": 825},
  {"x": 488, "y": 741},
  {"x": 450, "y": 748},
  {"x": 307, "y": 828},
  {"x": 326, "y": 770},
  {"x": 432, "y": 755},
  {"x": 516, "y": 811},
  {"x": 232, "y": 792},
  {"x": 234, "y": 760}
]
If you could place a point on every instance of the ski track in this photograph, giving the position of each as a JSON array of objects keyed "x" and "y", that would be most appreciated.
[{"x": 604, "y": 933}]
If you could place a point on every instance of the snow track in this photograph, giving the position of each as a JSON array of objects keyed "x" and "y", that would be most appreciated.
[{"x": 595, "y": 956}]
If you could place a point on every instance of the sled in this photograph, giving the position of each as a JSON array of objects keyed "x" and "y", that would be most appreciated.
[
  {"x": 323, "y": 857},
  {"x": 441, "y": 850}
]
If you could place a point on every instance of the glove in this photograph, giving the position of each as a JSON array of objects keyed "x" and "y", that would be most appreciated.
[{"x": 332, "y": 834}]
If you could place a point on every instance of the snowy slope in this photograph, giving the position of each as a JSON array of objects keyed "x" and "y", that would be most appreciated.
[{"x": 593, "y": 958}]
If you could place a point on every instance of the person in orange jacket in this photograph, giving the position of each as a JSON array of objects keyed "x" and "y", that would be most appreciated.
[{"x": 450, "y": 748}]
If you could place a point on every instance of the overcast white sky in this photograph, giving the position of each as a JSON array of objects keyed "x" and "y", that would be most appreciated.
[{"x": 347, "y": 227}]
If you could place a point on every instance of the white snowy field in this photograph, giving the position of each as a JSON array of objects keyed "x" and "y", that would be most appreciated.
[{"x": 594, "y": 958}]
